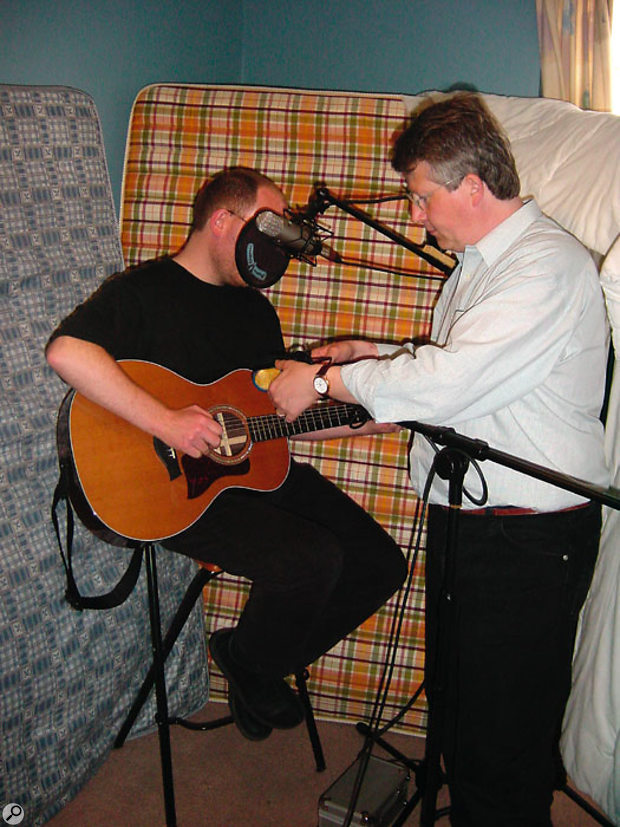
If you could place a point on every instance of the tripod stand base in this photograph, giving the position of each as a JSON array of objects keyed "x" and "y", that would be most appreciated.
[
  {"x": 417, "y": 766},
  {"x": 413, "y": 764}
]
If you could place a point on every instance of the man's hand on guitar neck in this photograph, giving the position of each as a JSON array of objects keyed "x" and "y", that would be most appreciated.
[
  {"x": 293, "y": 391},
  {"x": 94, "y": 373}
]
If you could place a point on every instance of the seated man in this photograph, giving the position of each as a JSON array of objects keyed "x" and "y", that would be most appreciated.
[{"x": 319, "y": 565}]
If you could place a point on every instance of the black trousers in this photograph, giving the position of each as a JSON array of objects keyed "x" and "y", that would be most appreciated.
[
  {"x": 319, "y": 566},
  {"x": 519, "y": 584}
]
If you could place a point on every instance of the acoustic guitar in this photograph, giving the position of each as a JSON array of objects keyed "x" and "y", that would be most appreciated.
[{"x": 124, "y": 482}]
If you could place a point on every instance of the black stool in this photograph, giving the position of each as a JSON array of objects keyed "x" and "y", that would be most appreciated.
[{"x": 156, "y": 676}]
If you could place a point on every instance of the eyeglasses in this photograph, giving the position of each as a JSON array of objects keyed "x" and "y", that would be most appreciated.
[
  {"x": 421, "y": 201},
  {"x": 236, "y": 214}
]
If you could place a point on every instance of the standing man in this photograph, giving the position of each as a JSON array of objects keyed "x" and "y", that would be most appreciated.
[
  {"x": 319, "y": 565},
  {"x": 517, "y": 358}
]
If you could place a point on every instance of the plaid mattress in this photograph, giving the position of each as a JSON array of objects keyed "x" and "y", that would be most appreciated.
[{"x": 179, "y": 134}]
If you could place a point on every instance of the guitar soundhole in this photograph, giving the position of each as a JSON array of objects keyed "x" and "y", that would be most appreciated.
[{"x": 236, "y": 442}]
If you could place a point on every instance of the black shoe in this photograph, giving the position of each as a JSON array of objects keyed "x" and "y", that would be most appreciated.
[
  {"x": 270, "y": 700},
  {"x": 249, "y": 726}
]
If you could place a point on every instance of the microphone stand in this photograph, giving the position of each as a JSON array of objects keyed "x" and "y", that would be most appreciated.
[
  {"x": 323, "y": 198},
  {"x": 452, "y": 465}
]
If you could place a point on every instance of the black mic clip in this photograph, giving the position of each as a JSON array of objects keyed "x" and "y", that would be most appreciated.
[
  {"x": 318, "y": 201},
  {"x": 312, "y": 235}
]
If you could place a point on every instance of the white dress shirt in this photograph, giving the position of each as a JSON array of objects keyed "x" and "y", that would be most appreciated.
[{"x": 518, "y": 359}]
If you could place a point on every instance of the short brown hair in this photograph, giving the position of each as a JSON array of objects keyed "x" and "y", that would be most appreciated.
[
  {"x": 234, "y": 188},
  {"x": 457, "y": 136}
]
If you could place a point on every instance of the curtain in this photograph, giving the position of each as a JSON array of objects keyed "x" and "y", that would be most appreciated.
[{"x": 575, "y": 51}]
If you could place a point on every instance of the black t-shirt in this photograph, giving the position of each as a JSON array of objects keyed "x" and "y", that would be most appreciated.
[{"x": 159, "y": 312}]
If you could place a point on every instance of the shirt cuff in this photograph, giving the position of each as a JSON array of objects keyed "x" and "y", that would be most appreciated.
[{"x": 362, "y": 379}]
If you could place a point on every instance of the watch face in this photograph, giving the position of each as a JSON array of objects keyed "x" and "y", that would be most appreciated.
[{"x": 321, "y": 385}]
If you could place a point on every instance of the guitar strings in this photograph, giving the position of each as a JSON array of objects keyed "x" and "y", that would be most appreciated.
[{"x": 269, "y": 426}]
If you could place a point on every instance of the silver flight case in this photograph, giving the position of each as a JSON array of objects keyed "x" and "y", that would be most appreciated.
[{"x": 382, "y": 796}]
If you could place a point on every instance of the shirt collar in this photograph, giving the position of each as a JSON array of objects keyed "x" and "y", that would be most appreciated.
[{"x": 495, "y": 243}]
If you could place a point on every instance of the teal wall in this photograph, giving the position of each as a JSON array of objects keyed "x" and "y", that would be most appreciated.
[
  {"x": 112, "y": 48},
  {"x": 393, "y": 45}
]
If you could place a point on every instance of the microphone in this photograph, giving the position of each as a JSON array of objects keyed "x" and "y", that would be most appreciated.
[{"x": 299, "y": 237}]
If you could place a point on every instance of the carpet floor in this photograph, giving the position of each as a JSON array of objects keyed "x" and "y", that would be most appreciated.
[{"x": 223, "y": 780}]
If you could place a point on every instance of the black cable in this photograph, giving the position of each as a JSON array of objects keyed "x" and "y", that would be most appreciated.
[
  {"x": 380, "y": 200},
  {"x": 374, "y": 730},
  {"x": 485, "y": 490},
  {"x": 368, "y": 265}
]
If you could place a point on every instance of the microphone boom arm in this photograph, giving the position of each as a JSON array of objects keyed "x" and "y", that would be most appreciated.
[
  {"x": 478, "y": 449},
  {"x": 324, "y": 198}
]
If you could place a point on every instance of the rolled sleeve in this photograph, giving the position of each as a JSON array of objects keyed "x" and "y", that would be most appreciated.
[{"x": 374, "y": 382}]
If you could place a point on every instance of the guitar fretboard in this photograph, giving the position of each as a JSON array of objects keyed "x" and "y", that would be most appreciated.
[{"x": 317, "y": 418}]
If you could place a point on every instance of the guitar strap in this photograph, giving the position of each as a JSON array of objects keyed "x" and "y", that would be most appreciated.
[{"x": 125, "y": 585}]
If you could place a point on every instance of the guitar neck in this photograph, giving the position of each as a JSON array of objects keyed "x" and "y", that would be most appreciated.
[{"x": 318, "y": 418}]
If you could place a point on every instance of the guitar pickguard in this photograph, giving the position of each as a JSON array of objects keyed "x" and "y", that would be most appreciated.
[
  {"x": 229, "y": 459},
  {"x": 169, "y": 458},
  {"x": 201, "y": 473}
]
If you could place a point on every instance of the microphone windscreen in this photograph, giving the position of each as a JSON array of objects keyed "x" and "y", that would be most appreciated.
[{"x": 260, "y": 262}]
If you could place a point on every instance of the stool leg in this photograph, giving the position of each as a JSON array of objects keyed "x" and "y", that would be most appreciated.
[
  {"x": 163, "y": 724},
  {"x": 194, "y": 591},
  {"x": 317, "y": 748},
  {"x": 156, "y": 676}
]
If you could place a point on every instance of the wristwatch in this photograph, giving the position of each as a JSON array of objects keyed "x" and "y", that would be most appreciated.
[{"x": 320, "y": 381}]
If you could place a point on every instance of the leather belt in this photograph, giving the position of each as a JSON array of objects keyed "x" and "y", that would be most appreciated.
[{"x": 512, "y": 510}]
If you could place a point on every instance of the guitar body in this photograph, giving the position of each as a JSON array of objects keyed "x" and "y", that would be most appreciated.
[{"x": 140, "y": 489}]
